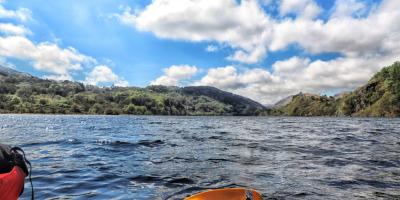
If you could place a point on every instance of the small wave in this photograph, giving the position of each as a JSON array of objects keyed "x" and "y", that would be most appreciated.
[
  {"x": 44, "y": 143},
  {"x": 146, "y": 179},
  {"x": 265, "y": 175},
  {"x": 219, "y": 160},
  {"x": 146, "y": 143},
  {"x": 252, "y": 145},
  {"x": 345, "y": 184},
  {"x": 386, "y": 195},
  {"x": 301, "y": 194},
  {"x": 4, "y": 126},
  {"x": 166, "y": 181},
  {"x": 381, "y": 163},
  {"x": 186, "y": 192},
  {"x": 379, "y": 184},
  {"x": 214, "y": 137},
  {"x": 179, "y": 131},
  {"x": 347, "y": 130},
  {"x": 172, "y": 159},
  {"x": 150, "y": 143},
  {"x": 317, "y": 151},
  {"x": 335, "y": 162},
  {"x": 90, "y": 127},
  {"x": 251, "y": 161},
  {"x": 181, "y": 181},
  {"x": 194, "y": 138},
  {"x": 106, "y": 177},
  {"x": 155, "y": 122},
  {"x": 269, "y": 148},
  {"x": 54, "y": 142},
  {"x": 73, "y": 141},
  {"x": 105, "y": 128},
  {"x": 178, "y": 182},
  {"x": 206, "y": 127},
  {"x": 288, "y": 195}
]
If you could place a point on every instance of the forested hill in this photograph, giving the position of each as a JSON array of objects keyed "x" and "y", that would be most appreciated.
[
  {"x": 23, "y": 93},
  {"x": 380, "y": 97}
]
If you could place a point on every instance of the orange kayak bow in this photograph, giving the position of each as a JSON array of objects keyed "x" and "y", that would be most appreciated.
[{"x": 227, "y": 194}]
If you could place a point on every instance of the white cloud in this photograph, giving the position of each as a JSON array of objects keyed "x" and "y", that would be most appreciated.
[
  {"x": 59, "y": 77},
  {"x": 48, "y": 57},
  {"x": 348, "y": 8},
  {"x": 303, "y": 8},
  {"x": 103, "y": 74},
  {"x": 175, "y": 74},
  {"x": 229, "y": 78},
  {"x": 44, "y": 56},
  {"x": 181, "y": 71},
  {"x": 372, "y": 34},
  {"x": 365, "y": 38},
  {"x": 221, "y": 77},
  {"x": 290, "y": 66},
  {"x": 249, "y": 57},
  {"x": 242, "y": 25},
  {"x": 11, "y": 29},
  {"x": 212, "y": 48},
  {"x": 258, "y": 83},
  {"x": 22, "y": 14},
  {"x": 353, "y": 28}
]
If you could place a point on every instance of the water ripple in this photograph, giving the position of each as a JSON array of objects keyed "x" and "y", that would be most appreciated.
[{"x": 157, "y": 157}]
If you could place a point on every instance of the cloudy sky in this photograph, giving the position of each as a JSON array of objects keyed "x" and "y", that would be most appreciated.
[{"x": 263, "y": 49}]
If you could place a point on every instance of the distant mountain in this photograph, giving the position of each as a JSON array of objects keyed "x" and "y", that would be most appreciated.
[
  {"x": 23, "y": 93},
  {"x": 380, "y": 97},
  {"x": 6, "y": 71},
  {"x": 283, "y": 102},
  {"x": 241, "y": 105}
]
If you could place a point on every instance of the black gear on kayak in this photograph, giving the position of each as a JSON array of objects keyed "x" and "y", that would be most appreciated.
[
  {"x": 15, "y": 156},
  {"x": 249, "y": 195}
]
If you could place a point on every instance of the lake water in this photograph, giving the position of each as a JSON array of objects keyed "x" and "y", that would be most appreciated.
[{"x": 163, "y": 157}]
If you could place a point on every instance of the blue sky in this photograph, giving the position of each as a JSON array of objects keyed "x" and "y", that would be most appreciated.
[
  {"x": 263, "y": 49},
  {"x": 88, "y": 27}
]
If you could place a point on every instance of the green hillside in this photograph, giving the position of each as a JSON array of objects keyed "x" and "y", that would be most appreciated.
[
  {"x": 23, "y": 93},
  {"x": 308, "y": 105},
  {"x": 380, "y": 97}
]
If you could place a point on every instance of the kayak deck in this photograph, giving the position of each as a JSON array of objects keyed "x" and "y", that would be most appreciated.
[{"x": 227, "y": 194}]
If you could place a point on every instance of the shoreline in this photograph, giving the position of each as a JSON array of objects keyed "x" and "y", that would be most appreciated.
[{"x": 253, "y": 116}]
